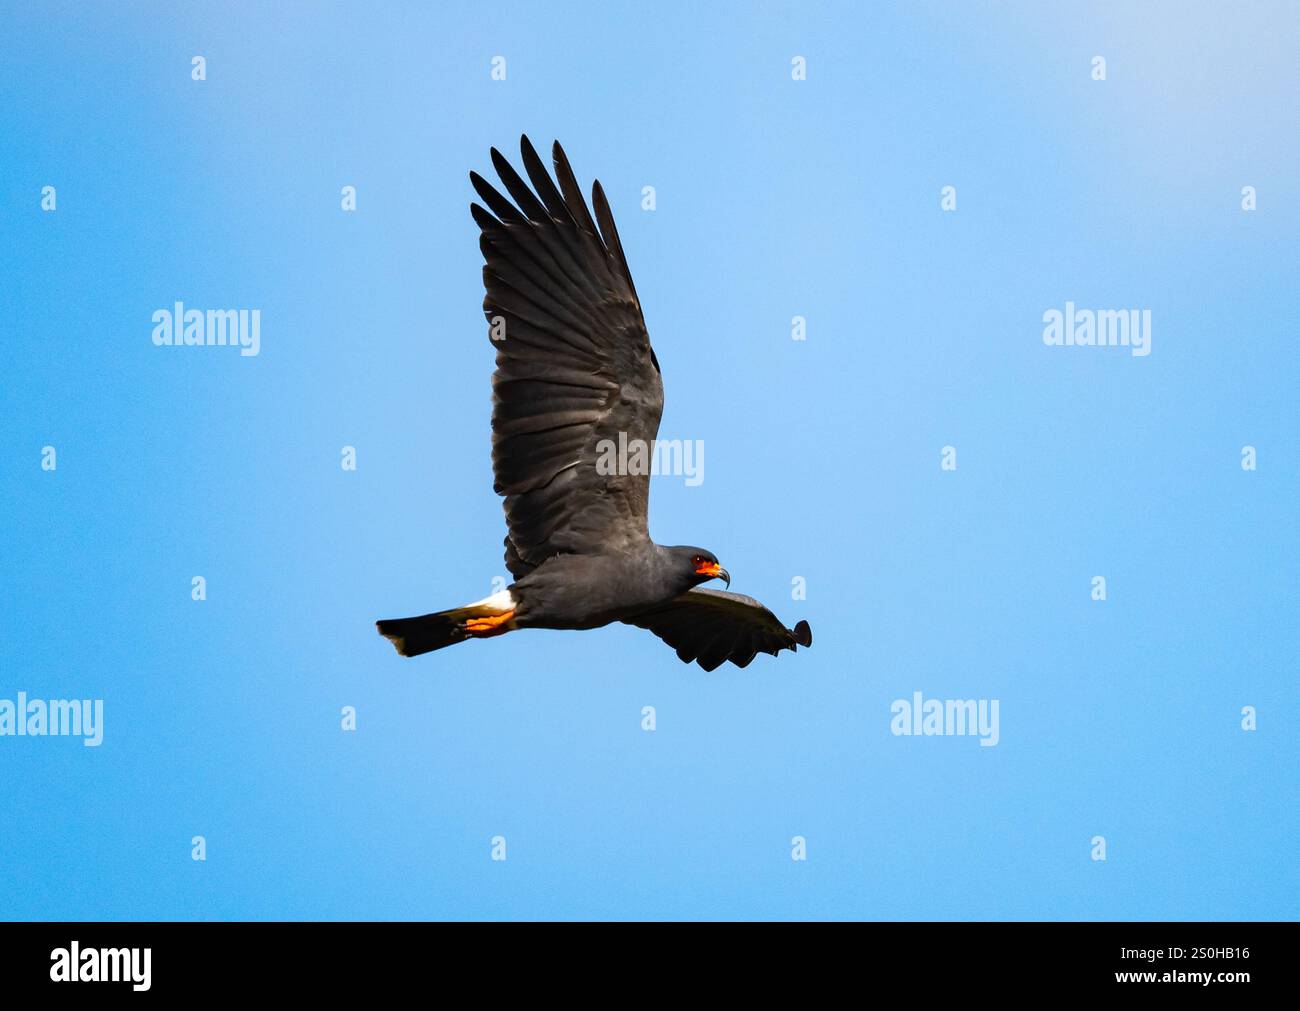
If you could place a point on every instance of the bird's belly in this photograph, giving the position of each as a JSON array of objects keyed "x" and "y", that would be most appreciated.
[
  {"x": 578, "y": 594},
  {"x": 568, "y": 610}
]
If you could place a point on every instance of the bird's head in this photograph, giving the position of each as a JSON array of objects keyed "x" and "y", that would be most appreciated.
[{"x": 698, "y": 566}]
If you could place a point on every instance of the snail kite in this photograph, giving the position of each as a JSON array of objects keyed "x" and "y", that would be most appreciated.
[{"x": 575, "y": 368}]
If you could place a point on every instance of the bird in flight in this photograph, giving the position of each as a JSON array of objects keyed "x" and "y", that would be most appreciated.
[{"x": 575, "y": 370}]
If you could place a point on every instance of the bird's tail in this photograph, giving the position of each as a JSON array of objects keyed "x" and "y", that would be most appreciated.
[{"x": 480, "y": 620}]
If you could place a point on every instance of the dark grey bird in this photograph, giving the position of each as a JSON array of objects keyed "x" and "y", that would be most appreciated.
[{"x": 574, "y": 372}]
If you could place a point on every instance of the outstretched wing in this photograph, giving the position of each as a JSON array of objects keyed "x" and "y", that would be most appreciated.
[
  {"x": 710, "y": 626},
  {"x": 574, "y": 364}
]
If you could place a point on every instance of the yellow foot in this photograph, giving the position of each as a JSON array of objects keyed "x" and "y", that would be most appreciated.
[{"x": 489, "y": 626}]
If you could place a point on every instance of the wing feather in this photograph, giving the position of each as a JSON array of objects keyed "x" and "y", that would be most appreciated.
[
  {"x": 608, "y": 230},
  {"x": 578, "y": 212},
  {"x": 524, "y": 197},
  {"x": 543, "y": 184},
  {"x": 499, "y": 205}
]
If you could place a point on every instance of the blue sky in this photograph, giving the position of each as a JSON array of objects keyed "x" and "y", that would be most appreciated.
[{"x": 774, "y": 198}]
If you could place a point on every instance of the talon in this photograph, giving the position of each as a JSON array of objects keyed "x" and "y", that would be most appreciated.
[{"x": 488, "y": 626}]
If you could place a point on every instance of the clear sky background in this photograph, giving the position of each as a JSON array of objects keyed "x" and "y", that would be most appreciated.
[{"x": 775, "y": 198}]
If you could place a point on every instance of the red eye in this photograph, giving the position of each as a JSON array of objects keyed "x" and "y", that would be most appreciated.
[{"x": 698, "y": 561}]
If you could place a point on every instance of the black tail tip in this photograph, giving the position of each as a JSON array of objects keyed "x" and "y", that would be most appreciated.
[{"x": 385, "y": 629}]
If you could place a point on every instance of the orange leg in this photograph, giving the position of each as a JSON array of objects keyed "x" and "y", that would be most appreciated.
[{"x": 494, "y": 625}]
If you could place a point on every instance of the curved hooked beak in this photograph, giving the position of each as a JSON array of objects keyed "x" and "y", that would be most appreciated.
[{"x": 715, "y": 571}]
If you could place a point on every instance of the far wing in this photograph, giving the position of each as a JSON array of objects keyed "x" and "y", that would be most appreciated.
[{"x": 710, "y": 626}]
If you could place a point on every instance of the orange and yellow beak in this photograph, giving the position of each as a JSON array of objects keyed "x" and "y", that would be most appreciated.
[{"x": 714, "y": 571}]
